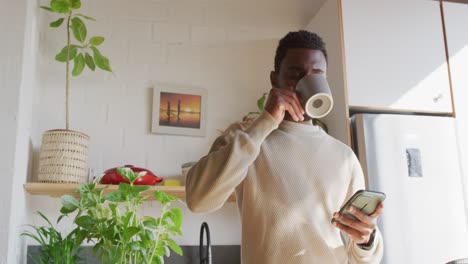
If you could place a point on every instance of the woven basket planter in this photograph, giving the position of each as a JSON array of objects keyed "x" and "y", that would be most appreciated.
[{"x": 63, "y": 157}]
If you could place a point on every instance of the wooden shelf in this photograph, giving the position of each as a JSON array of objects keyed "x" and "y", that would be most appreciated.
[{"x": 58, "y": 189}]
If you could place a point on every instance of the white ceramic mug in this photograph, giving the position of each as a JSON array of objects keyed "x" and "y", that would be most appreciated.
[{"x": 315, "y": 95}]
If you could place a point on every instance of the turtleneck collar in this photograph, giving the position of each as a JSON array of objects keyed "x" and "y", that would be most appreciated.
[{"x": 305, "y": 127}]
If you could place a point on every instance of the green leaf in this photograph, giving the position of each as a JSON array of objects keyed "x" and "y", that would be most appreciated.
[
  {"x": 86, "y": 17},
  {"x": 135, "y": 246},
  {"x": 114, "y": 197},
  {"x": 101, "y": 61},
  {"x": 90, "y": 62},
  {"x": 173, "y": 245},
  {"x": 176, "y": 216},
  {"x": 47, "y": 8},
  {"x": 57, "y": 23},
  {"x": 126, "y": 218},
  {"x": 175, "y": 230},
  {"x": 29, "y": 234},
  {"x": 261, "y": 101},
  {"x": 124, "y": 188},
  {"x": 96, "y": 41},
  {"x": 143, "y": 250},
  {"x": 80, "y": 236},
  {"x": 84, "y": 221},
  {"x": 86, "y": 187},
  {"x": 61, "y": 6},
  {"x": 44, "y": 217},
  {"x": 60, "y": 218},
  {"x": 139, "y": 188},
  {"x": 69, "y": 202},
  {"x": 167, "y": 252},
  {"x": 130, "y": 232},
  {"x": 162, "y": 222},
  {"x": 75, "y": 4},
  {"x": 150, "y": 222},
  {"x": 78, "y": 29},
  {"x": 164, "y": 198},
  {"x": 66, "y": 211},
  {"x": 161, "y": 196},
  {"x": 127, "y": 173},
  {"x": 97, "y": 247},
  {"x": 79, "y": 65},
  {"x": 62, "y": 55},
  {"x": 159, "y": 259}
]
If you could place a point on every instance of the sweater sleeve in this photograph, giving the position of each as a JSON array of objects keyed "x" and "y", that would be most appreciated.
[
  {"x": 214, "y": 177},
  {"x": 356, "y": 254}
]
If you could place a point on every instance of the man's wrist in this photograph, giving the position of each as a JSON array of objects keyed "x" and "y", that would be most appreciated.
[{"x": 370, "y": 243}]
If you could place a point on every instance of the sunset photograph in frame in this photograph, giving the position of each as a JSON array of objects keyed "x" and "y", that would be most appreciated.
[{"x": 179, "y": 111}]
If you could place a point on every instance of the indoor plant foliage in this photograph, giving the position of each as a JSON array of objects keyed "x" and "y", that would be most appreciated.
[
  {"x": 54, "y": 248},
  {"x": 64, "y": 153},
  {"x": 110, "y": 222},
  {"x": 80, "y": 53}
]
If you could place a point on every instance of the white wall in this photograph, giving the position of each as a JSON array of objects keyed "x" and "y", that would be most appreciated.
[
  {"x": 226, "y": 47},
  {"x": 326, "y": 23},
  {"x": 10, "y": 81},
  {"x": 23, "y": 154},
  {"x": 17, "y": 75}
]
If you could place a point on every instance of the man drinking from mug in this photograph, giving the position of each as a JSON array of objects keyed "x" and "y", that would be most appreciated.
[{"x": 289, "y": 175}]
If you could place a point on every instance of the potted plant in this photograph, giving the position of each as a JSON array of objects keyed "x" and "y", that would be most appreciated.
[
  {"x": 54, "y": 248},
  {"x": 64, "y": 153},
  {"x": 110, "y": 222}
]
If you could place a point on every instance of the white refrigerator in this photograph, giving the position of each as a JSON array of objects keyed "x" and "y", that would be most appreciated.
[{"x": 414, "y": 161}]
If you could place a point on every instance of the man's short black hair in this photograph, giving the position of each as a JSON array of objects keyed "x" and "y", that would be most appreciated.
[{"x": 298, "y": 39}]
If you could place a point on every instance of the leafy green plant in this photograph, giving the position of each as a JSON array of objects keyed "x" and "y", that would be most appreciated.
[
  {"x": 53, "y": 247},
  {"x": 79, "y": 53},
  {"x": 261, "y": 105},
  {"x": 110, "y": 221}
]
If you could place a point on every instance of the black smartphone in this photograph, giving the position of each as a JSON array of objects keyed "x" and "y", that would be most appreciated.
[{"x": 364, "y": 200}]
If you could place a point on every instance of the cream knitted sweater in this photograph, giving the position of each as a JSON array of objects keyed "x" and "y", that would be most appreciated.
[{"x": 289, "y": 179}]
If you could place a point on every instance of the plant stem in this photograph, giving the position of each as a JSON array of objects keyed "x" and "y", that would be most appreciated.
[
  {"x": 163, "y": 211},
  {"x": 67, "y": 85}
]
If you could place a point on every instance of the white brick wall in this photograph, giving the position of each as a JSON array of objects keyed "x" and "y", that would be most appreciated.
[
  {"x": 171, "y": 33},
  {"x": 226, "y": 47}
]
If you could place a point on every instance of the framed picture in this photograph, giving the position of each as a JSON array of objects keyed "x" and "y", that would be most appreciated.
[{"x": 179, "y": 110}]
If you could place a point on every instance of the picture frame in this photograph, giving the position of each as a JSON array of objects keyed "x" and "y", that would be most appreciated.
[{"x": 179, "y": 110}]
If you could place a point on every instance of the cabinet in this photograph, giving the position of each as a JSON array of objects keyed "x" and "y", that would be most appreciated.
[
  {"x": 395, "y": 55},
  {"x": 456, "y": 19},
  {"x": 384, "y": 56}
]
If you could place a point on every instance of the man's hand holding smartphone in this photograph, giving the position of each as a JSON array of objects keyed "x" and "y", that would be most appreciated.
[
  {"x": 362, "y": 227},
  {"x": 360, "y": 230}
]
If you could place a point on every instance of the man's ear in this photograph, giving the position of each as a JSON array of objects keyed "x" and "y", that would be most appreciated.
[{"x": 274, "y": 79}]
